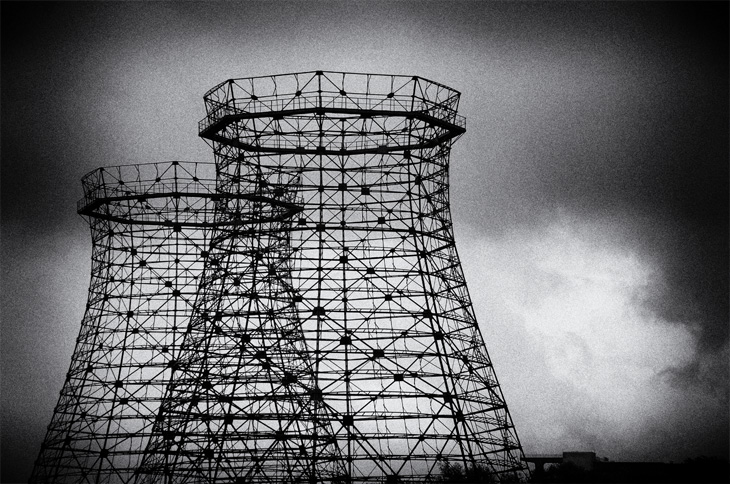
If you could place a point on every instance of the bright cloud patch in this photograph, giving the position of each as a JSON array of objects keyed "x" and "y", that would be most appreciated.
[{"x": 562, "y": 310}]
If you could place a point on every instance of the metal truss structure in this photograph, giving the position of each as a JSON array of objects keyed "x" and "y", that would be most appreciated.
[{"x": 296, "y": 312}]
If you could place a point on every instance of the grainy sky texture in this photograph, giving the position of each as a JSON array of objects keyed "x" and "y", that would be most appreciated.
[{"x": 589, "y": 194}]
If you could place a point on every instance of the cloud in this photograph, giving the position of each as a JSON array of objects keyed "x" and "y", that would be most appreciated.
[
  {"x": 706, "y": 374},
  {"x": 631, "y": 138},
  {"x": 605, "y": 372}
]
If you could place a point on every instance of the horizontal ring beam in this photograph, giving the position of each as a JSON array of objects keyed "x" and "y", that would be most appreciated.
[{"x": 91, "y": 209}]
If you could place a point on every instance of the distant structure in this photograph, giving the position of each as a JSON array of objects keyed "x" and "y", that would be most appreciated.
[
  {"x": 296, "y": 312},
  {"x": 586, "y": 467},
  {"x": 583, "y": 460}
]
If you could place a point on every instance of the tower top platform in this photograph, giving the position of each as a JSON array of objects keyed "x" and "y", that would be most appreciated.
[
  {"x": 363, "y": 113},
  {"x": 175, "y": 194}
]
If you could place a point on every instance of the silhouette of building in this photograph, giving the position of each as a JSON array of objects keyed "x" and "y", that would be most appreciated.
[
  {"x": 585, "y": 467},
  {"x": 295, "y": 312}
]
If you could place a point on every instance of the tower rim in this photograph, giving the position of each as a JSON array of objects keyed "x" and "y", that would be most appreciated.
[{"x": 334, "y": 113}]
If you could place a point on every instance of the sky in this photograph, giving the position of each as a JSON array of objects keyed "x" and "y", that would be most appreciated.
[{"x": 589, "y": 194}]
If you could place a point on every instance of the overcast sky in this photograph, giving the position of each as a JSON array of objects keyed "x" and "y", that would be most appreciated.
[{"x": 589, "y": 193}]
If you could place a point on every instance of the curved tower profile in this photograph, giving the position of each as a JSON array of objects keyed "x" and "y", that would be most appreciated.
[
  {"x": 149, "y": 230},
  {"x": 327, "y": 334}
]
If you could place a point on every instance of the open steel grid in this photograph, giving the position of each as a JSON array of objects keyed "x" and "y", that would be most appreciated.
[
  {"x": 148, "y": 229},
  {"x": 331, "y": 337}
]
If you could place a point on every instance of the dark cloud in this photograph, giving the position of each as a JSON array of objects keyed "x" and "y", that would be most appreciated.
[
  {"x": 633, "y": 134},
  {"x": 707, "y": 374}
]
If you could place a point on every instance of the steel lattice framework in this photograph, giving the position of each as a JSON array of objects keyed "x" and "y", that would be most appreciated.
[{"x": 296, "y": 312}]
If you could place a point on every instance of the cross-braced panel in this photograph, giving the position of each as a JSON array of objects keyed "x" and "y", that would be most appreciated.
[{"x": 243, "y": 406}]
